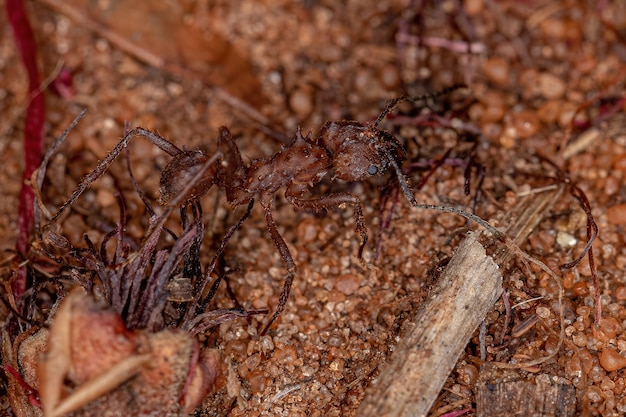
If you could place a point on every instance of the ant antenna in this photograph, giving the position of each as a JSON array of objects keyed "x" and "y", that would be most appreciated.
[
  {"x": 406, "y": 189},
  {"x": 403, "y": 97}
]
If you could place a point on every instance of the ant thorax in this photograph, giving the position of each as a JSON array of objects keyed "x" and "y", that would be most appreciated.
[{"x": 302, "y": 162}]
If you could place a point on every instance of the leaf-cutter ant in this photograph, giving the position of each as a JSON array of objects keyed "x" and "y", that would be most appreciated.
[{"x": 347, "y": 150}]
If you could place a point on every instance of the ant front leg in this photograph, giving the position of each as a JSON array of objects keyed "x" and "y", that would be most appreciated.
[
  {"x": 294, "y": 193},
  {"x": 267, "y": 201}
]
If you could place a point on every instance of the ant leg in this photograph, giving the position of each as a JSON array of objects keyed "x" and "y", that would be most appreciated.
[
  {"x": 231, "y": 171},
  {"x": 201, "y": 305},
  {"x": 191, "y": 262},
  {"x": 159, "y": 141},
  {"x": 406, "y": 189},
  {"x": 334, "y": 200},
  {"x": 267, "y": 201},
  {"x": 102, "y": 167}
]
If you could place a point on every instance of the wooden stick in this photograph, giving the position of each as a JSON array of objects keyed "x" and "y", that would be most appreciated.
[
  {"x": 465, "y": 292},
  {"x": 467, "y": 289}
]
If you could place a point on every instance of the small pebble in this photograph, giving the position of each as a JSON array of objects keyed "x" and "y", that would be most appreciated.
[
  {"x": 549, "y": 111},
  {"x": 610, "y": 326},
  {"x": 620, "y": 293},
  {"x": 551, "y": 86},
  {"x": 580, "y": 289},
  {"x": 565, "y": 240},
  {"x": 543, "y": 312},
  {"x": 105, "y": 197},
  {"x": 562, "y": 29},
  {"x": 611, "y": 360},
  {"x": 390, "y": 77},
  {"x": 497, "y": 71},
  {"x": 257, "y": 381},
  {"x": 494, "y": 108},
  {"x": 468, "y": 374},
  {"x": 619, "y": 163},
  {"x": 473, "y": 7},
  {"x": 301, "y": 102},
  {"x": 526, "y": 123},
  {"x": 616, "y": 214},
  {"x": 347, "y": 283},
  {"x": 307, "y": 230}
]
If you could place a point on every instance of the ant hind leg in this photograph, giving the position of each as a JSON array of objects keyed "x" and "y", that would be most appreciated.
[
  {"x": 102, "y": 167},
  {"x": 267, "y": 201}
]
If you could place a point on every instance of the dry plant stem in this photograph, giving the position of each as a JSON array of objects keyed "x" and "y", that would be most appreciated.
[
  {"x": 426, "y": 355},
  {"x": 467, "y": 289},
  {"x": 525, "y": 398},
  {"x": 33, "y": 133},
  {"x": 40, "y": 173},
  {"x": 528, "y": 214},
  {"x": 197, "y": 306}
]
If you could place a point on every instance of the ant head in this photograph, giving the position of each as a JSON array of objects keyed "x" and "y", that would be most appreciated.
[
  {"x": 360, "y": 152},
  {"x": 354, "y": 149}
]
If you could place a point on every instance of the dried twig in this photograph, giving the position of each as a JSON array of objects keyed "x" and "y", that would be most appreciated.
[{"x": 466, "y": 291}]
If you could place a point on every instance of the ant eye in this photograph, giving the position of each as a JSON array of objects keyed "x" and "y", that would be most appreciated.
[{"x": 372, "y": 170}]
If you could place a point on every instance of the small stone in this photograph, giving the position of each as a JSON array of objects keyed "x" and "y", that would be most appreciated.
[
  {"x": 616, "y": 214},
  {"x": 551, "y": 86},
  {"x": 105, "y": 197},
  {"x": 307, "y": 231},
  {"x": 347, "y": 283},
  {"x": 390, "y": 77},
  {"x": 497, "y": 71},
  {"x": 526, "y": 123},
  {"x": 620, "y": 293},
  {"x": 473, "y": 7},
  {"x": 565, "y": 240},
  {"x": 610, "y": 327},
  {"x": 301, "y": 102},
  {"x": 549, "y": 111},
  {"x": 611, "y": 360},
  {"x": 543, "y": 312}
]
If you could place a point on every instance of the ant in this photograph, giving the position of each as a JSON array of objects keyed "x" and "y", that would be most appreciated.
[{"x": 350, "y": 150}]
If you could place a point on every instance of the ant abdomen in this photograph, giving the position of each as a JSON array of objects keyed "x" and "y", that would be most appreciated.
[{"x": 180, "y": 171}]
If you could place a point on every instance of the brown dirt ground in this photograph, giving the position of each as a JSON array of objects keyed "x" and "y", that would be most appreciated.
[{"x": 532, "y": 65}]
